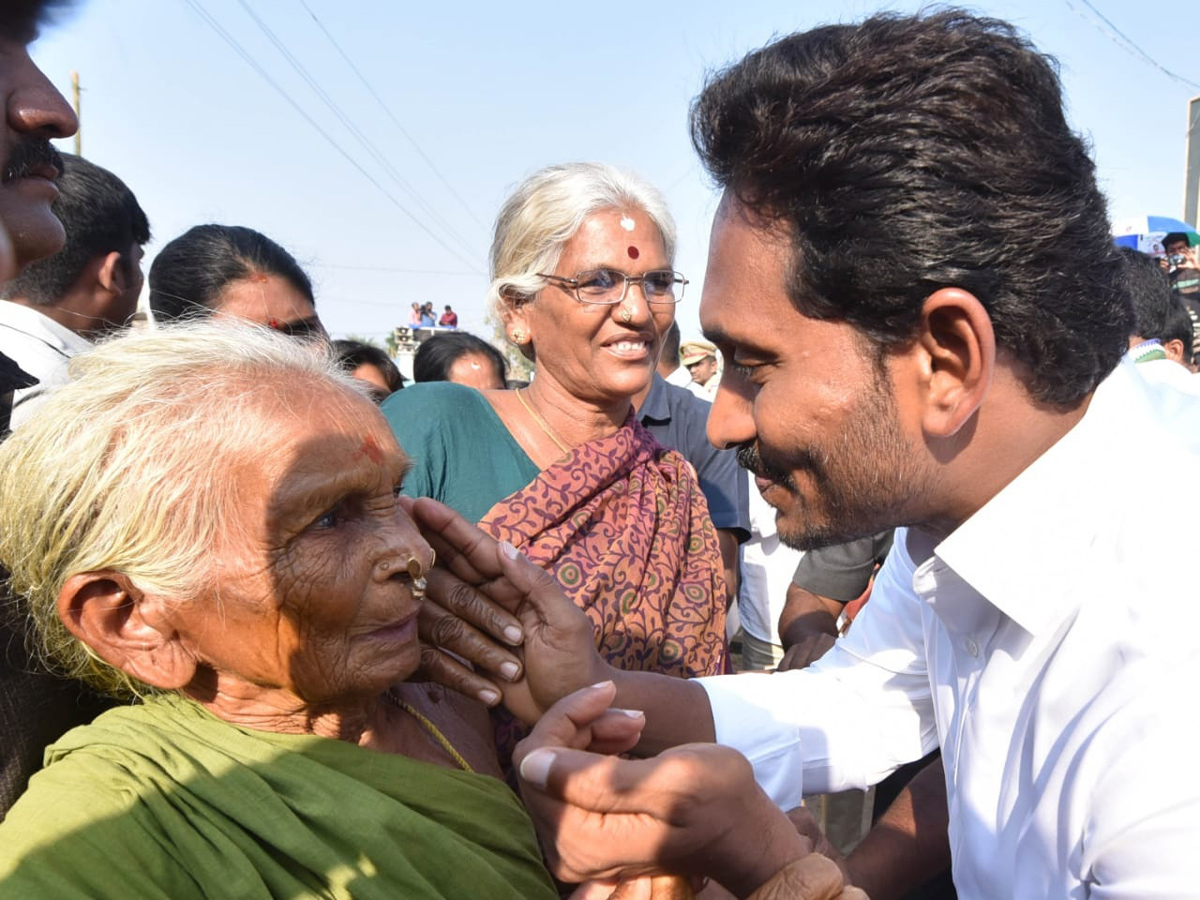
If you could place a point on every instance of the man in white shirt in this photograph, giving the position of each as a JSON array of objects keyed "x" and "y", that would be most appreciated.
[
  {"x": 34, "y": 112},
  {"x": 57, "y": 306},
  {"x": 912, "y": 283}
]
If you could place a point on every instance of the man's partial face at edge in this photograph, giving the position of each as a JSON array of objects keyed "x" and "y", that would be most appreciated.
[
  {"x": 809, "y": 403},
  {"x": 34, "y": 113}
]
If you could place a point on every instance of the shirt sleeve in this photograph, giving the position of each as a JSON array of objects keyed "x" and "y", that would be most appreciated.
[
  {"x": 849, "y": 720},
  {"x": 842, "y": 572}
]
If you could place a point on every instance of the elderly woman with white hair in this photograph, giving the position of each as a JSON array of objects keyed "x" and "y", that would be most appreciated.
[
  {"x": 583, "y": 280},
  {"x": 207, "y": 521}
]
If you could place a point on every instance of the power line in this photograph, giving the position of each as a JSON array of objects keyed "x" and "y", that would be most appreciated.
[
  {"x": 250, "y": 61},
  {"x": 381, "y": 160},
  {"x": 395, "y": 121},
  {"x": 360, "y": 268},
  {"x": 1129, "y": 46}
]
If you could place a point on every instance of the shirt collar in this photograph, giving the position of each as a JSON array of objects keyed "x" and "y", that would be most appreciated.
[
  {"x": 1022, "y": 549},
  {"x": 28, "y": 320},
  {"x": 655, "y": 407}
]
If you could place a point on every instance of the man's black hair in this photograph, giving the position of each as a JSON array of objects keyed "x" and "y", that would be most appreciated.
[
  {"x": 100, "y": 215},
  {"x": 1179, "y": 326},
  {"x": 910, "y": 153},
  {"x": 438, "y": 354},
  {"x": 1176, "y": 237},
  {"x": 1149, "y": 290},
  {"x": 190, "y": 273}
]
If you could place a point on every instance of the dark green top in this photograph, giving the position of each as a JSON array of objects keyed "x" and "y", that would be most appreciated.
[
  {"x": 164, "y": 800},
  {"x": 461, "y": 452}
]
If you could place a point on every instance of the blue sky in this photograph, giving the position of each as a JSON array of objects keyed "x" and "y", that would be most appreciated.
[{"x": 448, "y": 105}]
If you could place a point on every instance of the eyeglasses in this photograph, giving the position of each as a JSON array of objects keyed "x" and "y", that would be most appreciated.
[{"x": 607, "y": 287}]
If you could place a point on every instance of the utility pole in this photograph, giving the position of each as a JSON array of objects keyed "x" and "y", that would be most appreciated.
[
  {"x": 1191, "y": 177},
  {"x": 79, "y": 129}
]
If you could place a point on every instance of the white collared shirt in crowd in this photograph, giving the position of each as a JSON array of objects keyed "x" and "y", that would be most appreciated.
[
  {"x": 1050, "y": 645},
  {"x": 41, "y": 347}
]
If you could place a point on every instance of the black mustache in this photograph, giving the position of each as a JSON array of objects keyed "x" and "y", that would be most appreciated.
[
  {"x": 28, "y": 154},
  {"x": 749, "y": 457}
]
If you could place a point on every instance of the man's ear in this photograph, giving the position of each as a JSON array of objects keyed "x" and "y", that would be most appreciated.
[
  {"x": 126, "y": 628},
  {"x": 1174, "y": 350},
  {"x": 959, "y": 348},
  {"x": 110, "y": 273}
]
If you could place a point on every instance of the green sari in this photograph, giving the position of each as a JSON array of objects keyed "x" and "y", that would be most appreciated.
[{"x": 165, "y": 800}]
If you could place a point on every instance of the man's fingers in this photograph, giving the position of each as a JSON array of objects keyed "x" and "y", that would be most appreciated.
[
  {"x": 443, "y": 630},
  {"x": 542, "y": 593},
  {"x": 567, "y": 723},
  {"x": 447, "y": 671},
  {"x": 583, "y": 720},
  {"x": 463, "y": 547},
  {"x": 451, "y": 595},
  {"x": 814, "y": 877},
  {"x": 662, "y": 787},
  {"x": 617, "y": 731}
]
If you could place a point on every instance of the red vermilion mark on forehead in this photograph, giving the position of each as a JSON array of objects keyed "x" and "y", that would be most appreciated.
[
  {"x": 258, "y": 277},
  {"x": 633, "y": 252},
  {"x": 370, "y": 449},
  {"x": 273, "y": 322}
]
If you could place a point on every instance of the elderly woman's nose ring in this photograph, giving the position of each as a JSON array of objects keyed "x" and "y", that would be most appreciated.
[
  {"x": 626, "y": 314},
  {"x": 416, "y": 570}
]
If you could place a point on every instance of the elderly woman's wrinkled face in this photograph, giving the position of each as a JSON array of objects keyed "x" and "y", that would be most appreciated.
[
  {"x": 313, "y": 593},
  {"x": 598, "y": 352}
]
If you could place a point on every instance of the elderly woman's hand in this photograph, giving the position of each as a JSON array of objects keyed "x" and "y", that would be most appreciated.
[
  {"x": 485, "y": 598},
  {"x": 693, "y": 810}
]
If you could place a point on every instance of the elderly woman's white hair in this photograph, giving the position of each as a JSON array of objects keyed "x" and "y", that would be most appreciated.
[
  {"x": 548, "y": 208},
  {"x": 128, "y": 466}
]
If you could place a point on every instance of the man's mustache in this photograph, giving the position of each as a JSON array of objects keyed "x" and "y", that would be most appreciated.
[
  {"x": 30, "y": 154},
  {"x": 750, "y": 457}
]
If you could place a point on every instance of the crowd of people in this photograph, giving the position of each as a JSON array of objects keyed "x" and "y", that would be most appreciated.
[{"x": 278, "y": 624}]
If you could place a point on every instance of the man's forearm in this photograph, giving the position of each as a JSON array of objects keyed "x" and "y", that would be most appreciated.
[
  {"x": 909, "y": 844},
  {"x": 677, "y": 709}
]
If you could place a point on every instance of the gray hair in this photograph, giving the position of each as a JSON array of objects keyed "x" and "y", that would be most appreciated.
[
  {"x": 127, "y": 467},
  {"x": 548, "y": 208}
]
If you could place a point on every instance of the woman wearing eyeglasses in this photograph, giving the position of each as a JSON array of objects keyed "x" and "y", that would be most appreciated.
[{"x": 583, "y": 281}]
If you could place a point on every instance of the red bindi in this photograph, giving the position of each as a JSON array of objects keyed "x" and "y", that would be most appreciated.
[
  {"x": 633, "y": 252},
  {"x": 370, "y": 449}
]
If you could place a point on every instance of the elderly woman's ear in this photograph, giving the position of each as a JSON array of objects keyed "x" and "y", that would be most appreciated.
[
  {"x": 126, "y": 628},
  {"x": 513, "y": 313}
]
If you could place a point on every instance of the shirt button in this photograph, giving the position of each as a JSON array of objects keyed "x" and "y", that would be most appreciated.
[{"x": 972, "y": 647}]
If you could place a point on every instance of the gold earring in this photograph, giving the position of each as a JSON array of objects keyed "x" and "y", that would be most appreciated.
[{"x": 518, "y": 336}]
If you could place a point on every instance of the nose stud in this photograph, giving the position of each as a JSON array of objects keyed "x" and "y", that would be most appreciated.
[
  {"x": 416, "y": 570},
  {"x": 626, "y": 314}
]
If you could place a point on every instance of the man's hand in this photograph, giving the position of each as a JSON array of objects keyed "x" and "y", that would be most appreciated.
[
  {"x": 489, "y": 605},
  {"x": 694, "y": 810},
  {"x": 807, "y": 627}
]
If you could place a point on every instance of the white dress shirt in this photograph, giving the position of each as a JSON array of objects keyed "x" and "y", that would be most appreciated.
[
  {"x": 767, "y": 567},
  {"x": 41, "y": 347},
  {"x": 1050, "y": 645}
]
